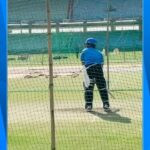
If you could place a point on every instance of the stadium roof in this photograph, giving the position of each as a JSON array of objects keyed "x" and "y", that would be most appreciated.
[{"x": 34, "y": 11}]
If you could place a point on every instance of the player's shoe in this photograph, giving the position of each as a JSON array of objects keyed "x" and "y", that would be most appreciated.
[
  {"x": 89, "y": 108},
  {"x": 107, "y": 108}
]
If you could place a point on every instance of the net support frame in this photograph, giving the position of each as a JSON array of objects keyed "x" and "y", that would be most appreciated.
[{"x": 51, "y": 94}]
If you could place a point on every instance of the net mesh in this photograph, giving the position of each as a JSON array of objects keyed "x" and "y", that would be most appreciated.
[
  {"x": 72, "y": 42},
  {"x": 72, "y": 23}
]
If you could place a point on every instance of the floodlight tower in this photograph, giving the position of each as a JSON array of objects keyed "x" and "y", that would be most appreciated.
[{"x": 70, "y": 10}]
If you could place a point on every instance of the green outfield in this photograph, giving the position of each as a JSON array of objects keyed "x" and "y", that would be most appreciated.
[
  {"x": 102, "y": 133},
  {"x": 70, "y": 58},
  {"x": 29, "y": 116},
  {"x": 119, "y": 86}
]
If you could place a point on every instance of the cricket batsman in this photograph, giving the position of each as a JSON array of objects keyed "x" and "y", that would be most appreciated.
[{"x": 92, "y": 59}]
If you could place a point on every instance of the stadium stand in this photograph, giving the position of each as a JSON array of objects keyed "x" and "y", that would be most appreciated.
[
  {"x": 98, "y": 9},
  {"x": 22, "y": 10}
]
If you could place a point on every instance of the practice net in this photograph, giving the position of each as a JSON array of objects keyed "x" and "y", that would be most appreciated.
[{"x": 117, "y": 26}]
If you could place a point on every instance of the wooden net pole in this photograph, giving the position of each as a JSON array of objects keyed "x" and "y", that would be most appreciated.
[
  {"x": 107, "y": 42},
  {"x": 51, "y": 95}
]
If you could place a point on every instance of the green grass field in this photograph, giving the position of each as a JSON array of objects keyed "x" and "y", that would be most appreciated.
[
  {"x": 42, "y": 59},
  {"x": 29, "y": 116}
]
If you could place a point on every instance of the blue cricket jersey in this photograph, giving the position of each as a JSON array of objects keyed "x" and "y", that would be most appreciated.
[{"x": 91, "y": 56}]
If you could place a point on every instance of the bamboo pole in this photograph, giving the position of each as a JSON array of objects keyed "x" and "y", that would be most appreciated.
[
  {"x": 51, "y": 96},
  {"x": 107, "y": 42}
]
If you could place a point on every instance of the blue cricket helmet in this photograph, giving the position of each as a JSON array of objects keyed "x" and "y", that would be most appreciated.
[{"x": 91, "y": 41}]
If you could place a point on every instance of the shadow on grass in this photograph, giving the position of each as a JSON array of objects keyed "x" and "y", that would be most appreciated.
[{"x": 113, "y": 117}]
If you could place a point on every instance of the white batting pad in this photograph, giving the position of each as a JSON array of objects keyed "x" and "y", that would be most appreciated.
[{"x": 86, "y": 78}]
